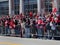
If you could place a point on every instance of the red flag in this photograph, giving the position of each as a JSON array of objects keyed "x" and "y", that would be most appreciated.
[{"x": 54, "y": 10}]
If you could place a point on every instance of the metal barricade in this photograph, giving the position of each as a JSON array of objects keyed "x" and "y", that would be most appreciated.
[{"x": 18, "y": 32}]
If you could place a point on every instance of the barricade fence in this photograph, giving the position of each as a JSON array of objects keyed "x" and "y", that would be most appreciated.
[{"x": 28, "y": 33}]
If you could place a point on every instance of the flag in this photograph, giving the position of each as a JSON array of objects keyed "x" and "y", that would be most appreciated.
[{"x": 54, "y": 10}]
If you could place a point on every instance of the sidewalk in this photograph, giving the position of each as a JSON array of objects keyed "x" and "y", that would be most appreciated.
[{"x": 24, "y": 41}]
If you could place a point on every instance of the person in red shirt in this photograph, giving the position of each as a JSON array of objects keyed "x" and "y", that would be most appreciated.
[
  {"x": 7, "y": 30},
  {"x": 40, "y": 21},
  {"x": 12, "y": 26},
  {"x": 40, "y": 28}
]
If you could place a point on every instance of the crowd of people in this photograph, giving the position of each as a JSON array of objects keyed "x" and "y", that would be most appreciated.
[{"x": 30, "y": 26}]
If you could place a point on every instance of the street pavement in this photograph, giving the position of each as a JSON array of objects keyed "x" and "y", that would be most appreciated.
[{"x": 26, "y": 41}]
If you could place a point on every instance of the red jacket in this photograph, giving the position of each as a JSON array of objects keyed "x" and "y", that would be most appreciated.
[{"x": 12, "y": 25}]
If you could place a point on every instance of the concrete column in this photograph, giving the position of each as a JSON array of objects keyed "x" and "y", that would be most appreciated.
[
  {"x": 21, "y": 7},
  {"x": 55, "y": 1},
  {"x": 55, "y": 4},
  {"x": 10, "y": 9},
  {"x": 39, "y": 7}
]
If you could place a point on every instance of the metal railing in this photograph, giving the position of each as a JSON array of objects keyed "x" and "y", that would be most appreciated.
[{"x": 23, "y": 33}]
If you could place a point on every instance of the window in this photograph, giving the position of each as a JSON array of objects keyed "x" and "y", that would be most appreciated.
[
  {"x": 48, "y": 5},
  {"x": 4, "y": 9},
  {"x": 16, "y": 6},
  {"x": 30, "y": 5}
]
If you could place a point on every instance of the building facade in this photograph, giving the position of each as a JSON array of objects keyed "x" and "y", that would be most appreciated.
[
  {"x": 16, "y": 7},
  {"x": 4, "y": 8}
]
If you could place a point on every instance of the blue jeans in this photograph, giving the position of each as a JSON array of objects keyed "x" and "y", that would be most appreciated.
[
  {"x": 40, "y": 32},
  {"x": 7, "y": 31},
  {"x": 17, "y": 32},
  {"x": 27, "y": 32}
]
